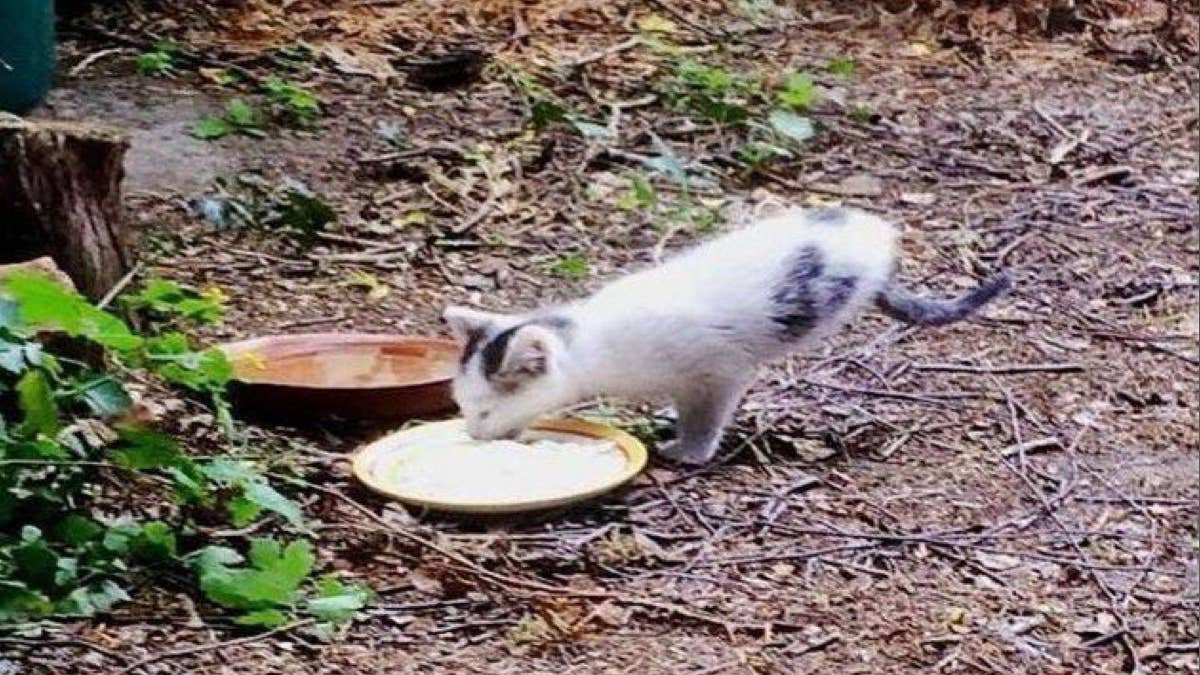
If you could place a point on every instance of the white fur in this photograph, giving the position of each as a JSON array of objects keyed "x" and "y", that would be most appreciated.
[{"x": 694, "y": 329}]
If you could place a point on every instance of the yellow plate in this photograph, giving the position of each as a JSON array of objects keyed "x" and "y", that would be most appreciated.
[{"x": 369, "y": 460}]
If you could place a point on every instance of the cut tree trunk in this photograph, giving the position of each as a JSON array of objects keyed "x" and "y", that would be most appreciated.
[{"x": 60, "y": 196}]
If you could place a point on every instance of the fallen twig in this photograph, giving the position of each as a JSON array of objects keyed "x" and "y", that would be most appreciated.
[{"x": 1014, "y": 369}]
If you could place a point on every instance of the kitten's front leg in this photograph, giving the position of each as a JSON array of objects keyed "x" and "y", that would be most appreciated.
[{"x": 703, "y": 415}]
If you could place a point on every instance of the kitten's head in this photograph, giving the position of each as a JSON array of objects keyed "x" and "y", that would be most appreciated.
[{"x": 510, "y": 372}]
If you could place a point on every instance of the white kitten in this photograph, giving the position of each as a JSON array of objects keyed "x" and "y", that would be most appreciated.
[{"x": 694, "y": 329}]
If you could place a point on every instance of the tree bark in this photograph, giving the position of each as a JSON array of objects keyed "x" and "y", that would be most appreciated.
[{"x": 60, "y": 195}]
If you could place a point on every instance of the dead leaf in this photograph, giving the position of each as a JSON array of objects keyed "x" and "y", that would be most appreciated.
[
  {"x": 426, "y": 584},
  {"x": 861, "y": 185},
  {"x": 361, "y": 63},
  {"x": 918, "y": 198}
]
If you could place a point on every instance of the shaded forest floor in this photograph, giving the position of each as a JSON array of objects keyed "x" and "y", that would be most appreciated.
[{"x": 1015, "y": 494}]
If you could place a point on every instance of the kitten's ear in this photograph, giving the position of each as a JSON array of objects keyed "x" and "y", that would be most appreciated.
[
  {"x": 466, "y": 323},
  {"x": 529, "y": 353}
]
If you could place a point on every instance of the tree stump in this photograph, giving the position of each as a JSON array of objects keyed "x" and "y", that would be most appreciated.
[{"x": 60, "y": 196}]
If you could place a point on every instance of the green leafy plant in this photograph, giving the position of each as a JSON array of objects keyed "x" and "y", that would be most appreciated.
[
  {"x": 574, "y": 266},
  {"x": 712, "y": 92},
  {"x": 240, "y": 117},
  {"x": 268, "y": 586},
  {"x": 291, "y": 102},
  {"x": 841, "y": 66},
  {"x": 65, "y": 431},
  {"x": 798, "y": 92},
  {"x": 640, "y": 195},
  {"x": 168, "y": 298},
  {"x": 159, "y": 61},
  {"x": 861, "y": 114}
]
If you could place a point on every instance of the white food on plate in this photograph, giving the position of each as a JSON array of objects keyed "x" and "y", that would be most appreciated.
[{"x": 453, "y": 467}]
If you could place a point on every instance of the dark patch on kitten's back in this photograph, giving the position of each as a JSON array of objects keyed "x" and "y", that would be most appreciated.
[
  {"x": 806, "y": 296},
  {"x": 827, "y": 215}
]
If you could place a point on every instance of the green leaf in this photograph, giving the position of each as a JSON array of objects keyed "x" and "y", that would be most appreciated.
[
  {"x": 214, "y": 558},
  {"x": 337, "y": 601},
  {"x": 34, "y": 563},
  {"x": 154, "y": 543},
  {"x": 42, "y": 303},
  {"x": 188, "y": 486},
  {"x": 9, "y": 316},
  {"x": 92, "y": 600},
  {"x": 238, "y": 113},
  {"x": 106, "y": 397},
  {"x": 168, "y": 298},
  {"x": 265, "y": 618},
  {"x": 841, "y": 66},
  {"x": 298, "y": 103},
  {"x": 799, "y": 91},
  {"x": 263, "y": 495},
  {"x": 543, "y": 113},
  {"x": 37, "y": 402},
  {"x": 303, "y": 211},
  {"x": 18, "y": 602},
  {"x": 76, "y": 530},
  {"x": 144, "y": 450},
  {"x": 791, "y": 125},
  {"x": 272, "y": 579},
  {"x": 12, "y": 357},
  {"x": 243, "y": 511},
  {"x": 172, "y": 359},
  {"x": 155, "y": 63},
  {"x": 211, "y": 127},
  {"x": 573, "y": 266},
  {"x": 720, "y": 111}
]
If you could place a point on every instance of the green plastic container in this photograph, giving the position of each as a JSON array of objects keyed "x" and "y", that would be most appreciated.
[{"x": 26, "y": 53}]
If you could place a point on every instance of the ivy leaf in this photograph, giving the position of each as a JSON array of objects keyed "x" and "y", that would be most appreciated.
[
  {"x": 35, "y": 564},
  {"x": 243, "y": 511},
  {"x": 12, "y": 357},
  {"x": 106, "y": 397},
  {"x": 42, "y": 303},
  {"x": 19, "y": 602},
  {"x": 9, "y": 317},
  {"x": 211, "y": 127},
  {"x": 154, "y": 543},
  {"x": 241, "y": 114},
  {"x": 92, "y": 600},
  {"x": 788, "y": 123},
  {"x": 265, "y": 496},
  {"x": 272, "y": 579},
  {"x": 76, "y": 530},
  {"x": 799, "y": 91},
  {"x": 337, "y": 601},
  {"x": 37, "y": 402},
  {"x": 544, "y": 112},
  {"x": 265, "y": 618},
  {"x": 214, "y": 559}
]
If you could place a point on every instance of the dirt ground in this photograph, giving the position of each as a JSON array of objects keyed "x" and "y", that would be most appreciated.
[{"x": 1013, "y": 494}]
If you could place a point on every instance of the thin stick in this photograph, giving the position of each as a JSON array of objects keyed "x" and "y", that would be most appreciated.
[
  {"x": 119, "y": 287},
  {"x": 1014, "y": 369}
]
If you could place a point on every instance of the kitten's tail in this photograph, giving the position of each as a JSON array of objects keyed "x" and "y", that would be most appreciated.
[{"x": 904, "y": 306}]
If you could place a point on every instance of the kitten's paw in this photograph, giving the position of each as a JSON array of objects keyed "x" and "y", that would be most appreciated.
[{"x": 683, "y": 454}]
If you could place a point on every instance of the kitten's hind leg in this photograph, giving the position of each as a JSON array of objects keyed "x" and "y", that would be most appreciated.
[{"x": 703, "y": 415}]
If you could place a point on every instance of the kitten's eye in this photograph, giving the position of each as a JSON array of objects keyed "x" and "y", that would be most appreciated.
[{"x": 484, "y": 415}]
